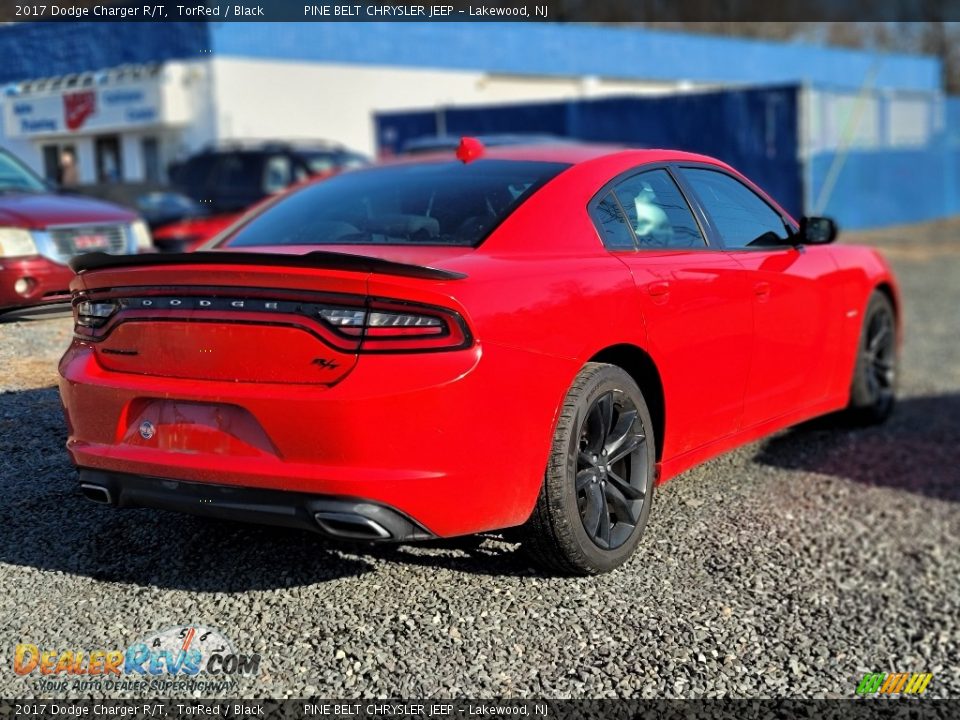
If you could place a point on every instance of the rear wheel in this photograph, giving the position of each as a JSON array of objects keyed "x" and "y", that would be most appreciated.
[
  {"x": 873, "y": 390},
  {"x": 596, "y": 494}
]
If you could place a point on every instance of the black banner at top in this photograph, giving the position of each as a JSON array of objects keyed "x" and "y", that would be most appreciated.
[
  {"x": 366, "y": 709},
  {"x": 606, "y": 11}
]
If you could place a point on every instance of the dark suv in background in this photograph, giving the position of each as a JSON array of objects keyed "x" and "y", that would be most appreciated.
[
  {"x": 231, "y": 178},
  {"x": 211, "y": 189}
]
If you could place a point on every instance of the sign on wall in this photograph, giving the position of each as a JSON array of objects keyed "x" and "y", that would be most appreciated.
[{"x": 82, "y": 110}]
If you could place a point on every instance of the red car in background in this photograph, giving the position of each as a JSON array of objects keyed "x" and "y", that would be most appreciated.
[
  {"x": 528, "y": 337},
  {"x": 41, "y": 231},
  {"x": 189, "y": 234}
]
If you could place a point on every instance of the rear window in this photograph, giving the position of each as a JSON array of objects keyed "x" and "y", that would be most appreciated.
[{"x": 444, "y": 203}]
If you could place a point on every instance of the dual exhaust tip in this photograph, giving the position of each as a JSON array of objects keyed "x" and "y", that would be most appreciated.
[
  {"x": 337, "y": 524},
  {"x": 351, "y": 526},
  {"x": 97, "y": 493}
]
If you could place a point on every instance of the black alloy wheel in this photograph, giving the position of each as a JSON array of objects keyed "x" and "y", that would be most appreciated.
[
  {"x": 879, "y": 355},
  {"x": 598, "y": 487},
  {"x": 873, "y": 389},
  {"x": 611, "y": 470}
]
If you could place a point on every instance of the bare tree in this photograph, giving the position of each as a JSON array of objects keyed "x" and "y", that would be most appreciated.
[{"x": 934, "y": 36}]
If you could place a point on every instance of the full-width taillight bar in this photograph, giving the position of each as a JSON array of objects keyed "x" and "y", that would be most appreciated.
[{"x": 370, "y": 325}]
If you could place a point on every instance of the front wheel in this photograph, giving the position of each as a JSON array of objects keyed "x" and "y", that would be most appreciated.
[
  {"x": 874, "y": 385},
  {"x": 597, "y": 491}
]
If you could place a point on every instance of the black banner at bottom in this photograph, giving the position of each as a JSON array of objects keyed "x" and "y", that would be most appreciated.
[{"x": 320, "y": 709}]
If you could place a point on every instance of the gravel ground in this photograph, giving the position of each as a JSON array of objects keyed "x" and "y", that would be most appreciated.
[{"x": 788, "y": 568}]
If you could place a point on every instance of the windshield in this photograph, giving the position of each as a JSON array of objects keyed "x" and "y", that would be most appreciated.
[
  {"x": 14, "y": 176},
  {"x": 443, "y": 203}
]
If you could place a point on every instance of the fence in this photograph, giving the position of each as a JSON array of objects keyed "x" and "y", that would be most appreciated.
[
  {"x": 881, "y": 158},
  {"x": 869, "y": 158},
  {"x": 753, "y": 129}
]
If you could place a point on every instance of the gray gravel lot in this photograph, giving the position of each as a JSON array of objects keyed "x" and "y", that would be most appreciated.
[{"x": 788, "y": 568}]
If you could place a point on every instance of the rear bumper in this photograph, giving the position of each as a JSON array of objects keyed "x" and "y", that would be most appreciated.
[
  {"x": 340, "y": 518},
  {"x": 48, "y": 281},
  {"x": 456, "y": 441}
]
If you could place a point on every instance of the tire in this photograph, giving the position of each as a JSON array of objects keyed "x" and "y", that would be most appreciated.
[
  {"x": 873, "y": 389},
  {"x": 585, "y": 502}
]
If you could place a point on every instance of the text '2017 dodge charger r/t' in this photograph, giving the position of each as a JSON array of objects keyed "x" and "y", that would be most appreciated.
[
  {"x": 523, "y": 337},
  {"x": 40, "y": 231}
]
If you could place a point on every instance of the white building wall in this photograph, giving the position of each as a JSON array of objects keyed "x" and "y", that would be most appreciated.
[
  {"x": 186, "y": 122},
  {"x": 223, "y": 98},
  {"x": 289, "y": 100}
]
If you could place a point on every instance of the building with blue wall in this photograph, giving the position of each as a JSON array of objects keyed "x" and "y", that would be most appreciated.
[
  {"x": 545, "y": 49},
  {"x": 810, "y": 122}
]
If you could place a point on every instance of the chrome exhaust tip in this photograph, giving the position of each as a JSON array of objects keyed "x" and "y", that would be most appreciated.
[
  {"x": 350, "y": 526},
  {"x": 97, "y": 493}
]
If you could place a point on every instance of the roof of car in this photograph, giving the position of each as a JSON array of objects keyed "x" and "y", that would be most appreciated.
[{"x": 570, "y": 153}]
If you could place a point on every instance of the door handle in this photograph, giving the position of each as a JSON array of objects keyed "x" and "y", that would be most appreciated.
[
  {"x": 762, "y": 289},
  {"x": 658, "y": 289}
]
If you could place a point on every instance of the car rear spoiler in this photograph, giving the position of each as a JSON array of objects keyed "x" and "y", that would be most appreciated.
[{"x": 315, "y": 259}]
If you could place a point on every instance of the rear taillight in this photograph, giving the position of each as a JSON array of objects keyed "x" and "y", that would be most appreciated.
[
  {"x": 386, "y": 325},
  {"x": 391, "y": 326},
  {"x": 91, "y": 314}
]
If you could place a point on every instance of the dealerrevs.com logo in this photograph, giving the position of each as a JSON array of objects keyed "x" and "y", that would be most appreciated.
[
  {"x": 894, "y": 683},
  {"x": 187, "y": 658}
]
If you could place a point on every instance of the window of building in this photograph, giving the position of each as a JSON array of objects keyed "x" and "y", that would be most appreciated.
[
  {"x": 150, "y": 149},
  {"x": 109, "y": 159}
]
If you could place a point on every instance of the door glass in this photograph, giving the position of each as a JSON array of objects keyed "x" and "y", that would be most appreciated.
[
  {"x": 193, "y": 176},
  {"x": 240, "y": 173},
  {"x": 612, "y": 225},
  {"x": 742, "y": 217},
  {"x": 238, "y": 181},
  {"x": 657, "y": 212},
  {"x": 276, "y": 173}
]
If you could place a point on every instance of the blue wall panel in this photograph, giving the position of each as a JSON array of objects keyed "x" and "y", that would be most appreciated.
[
  {"x": 880, "y": 187},
  {"x": 37, "y": 50},
  {"x": 952, "y": 151},
  {"x": 886, "y": 187},
  {"x": 574, "y": 49},
  {"x": 753, "y": 130},
  {"x": 32, "y": 50}
]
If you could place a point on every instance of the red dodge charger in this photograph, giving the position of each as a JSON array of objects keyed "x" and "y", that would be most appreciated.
[{"x": 518, "y": 337}]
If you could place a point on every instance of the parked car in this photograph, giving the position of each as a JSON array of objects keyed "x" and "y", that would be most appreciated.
[
  {"x": 41, "y": 230},
  {"x": 530, "y": 337},
  {"x": 211, "y": 189},
  {"x": 188, "y": 234}
]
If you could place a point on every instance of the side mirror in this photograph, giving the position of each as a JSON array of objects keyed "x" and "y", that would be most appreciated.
[{"x": 817, "y": 230}]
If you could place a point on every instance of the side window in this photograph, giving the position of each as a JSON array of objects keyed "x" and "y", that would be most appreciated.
[
  {"x": 649, "y": 207},
  {"x": 657, "y": 212},
  {"x": 276, "y": 174},
  {"x": 611, "y": 224},
  {"x": 742, "y": 217}
]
